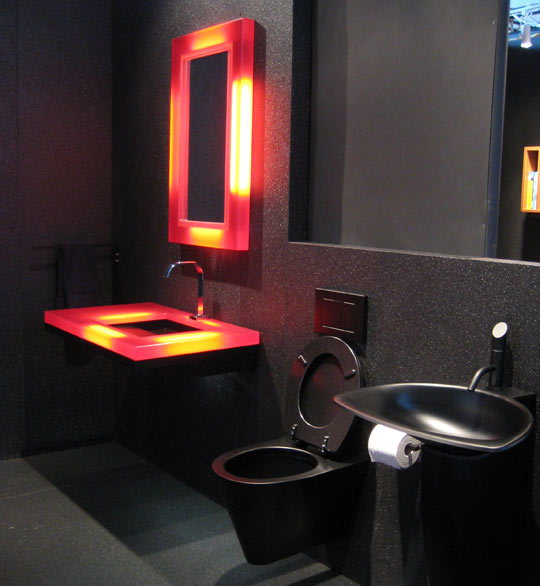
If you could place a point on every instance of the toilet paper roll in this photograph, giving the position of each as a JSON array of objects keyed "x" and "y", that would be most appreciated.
[{"x": 393, "y": 448}]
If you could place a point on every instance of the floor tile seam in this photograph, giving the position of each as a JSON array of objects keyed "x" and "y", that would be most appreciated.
[{"x": 28, "y": 493}]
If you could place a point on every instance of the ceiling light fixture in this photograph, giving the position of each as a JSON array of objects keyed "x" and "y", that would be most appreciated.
[{"x": 526, "y": 42}]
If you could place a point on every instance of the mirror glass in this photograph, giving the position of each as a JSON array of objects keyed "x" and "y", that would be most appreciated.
[
  {"x": 519, "y": 232},
  {"x": 404, "y": 140},
  {"x": 207, "y": 132}
]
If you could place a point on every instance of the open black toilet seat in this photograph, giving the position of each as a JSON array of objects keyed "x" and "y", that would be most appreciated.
[
  {"x": 325, "y": 367},
  {"x": 283, "y": 498}
]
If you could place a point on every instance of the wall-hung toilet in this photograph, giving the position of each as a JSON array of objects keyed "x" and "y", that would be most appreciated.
[{"x": 288, "y": 494}]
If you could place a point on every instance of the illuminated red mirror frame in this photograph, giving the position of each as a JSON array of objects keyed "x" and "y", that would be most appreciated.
[{"x": 237, "y": 39}]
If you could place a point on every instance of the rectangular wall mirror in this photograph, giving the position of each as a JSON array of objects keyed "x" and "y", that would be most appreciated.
[
  {"x": 397, "y": 128},
  {"x": 211, "y": 135}
]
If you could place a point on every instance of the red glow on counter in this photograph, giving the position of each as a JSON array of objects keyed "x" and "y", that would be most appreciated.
[
  {"x": 97, "y": 325},
  {"x": 123, "y": 316},
  {"x": 210, "y": 322},
  {"x": 197, "y": 341},
  {"x": 101, "y": 335},
  {"x": 235, "y": 38}
]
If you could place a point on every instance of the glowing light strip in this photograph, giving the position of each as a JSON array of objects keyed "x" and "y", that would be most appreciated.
[
  {"x": 209, "y": 322},
  {"x": 123, "y": 316},
  {"x": 171, "y": 143},
  {"x": 102, "y": 335},
  {"x": 244, "y": 148},
  {"x": 235, "y": 115},
  {"x": 208, "y": 38},
  {"x": 206, "y": 236},
  {"x": 185, "y": 337},
  {"x": 105, "y": 331},
  {"x": 241, "y": 124}
]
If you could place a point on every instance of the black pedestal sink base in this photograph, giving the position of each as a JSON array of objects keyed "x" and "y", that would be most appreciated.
[{"x": 477, "y": 516}]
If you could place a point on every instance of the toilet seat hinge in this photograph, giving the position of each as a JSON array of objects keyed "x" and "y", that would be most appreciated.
[
  {"x": 324, "y": 447},
  {"x": 293, "y": 431}
]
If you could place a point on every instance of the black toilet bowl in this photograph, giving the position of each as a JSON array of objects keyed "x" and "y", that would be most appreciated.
[{"x": 283, "y": 499}]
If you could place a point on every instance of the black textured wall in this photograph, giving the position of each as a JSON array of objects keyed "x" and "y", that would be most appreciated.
[
  {"x": 11, "y": 358},
  {"x": 247, "y": 288},
  {"x": 430, "y": 317},
  {"x": 56, "y": 187}
]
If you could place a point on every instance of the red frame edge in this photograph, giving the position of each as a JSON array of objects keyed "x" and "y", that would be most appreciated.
[{"x": 237, "y": 38}]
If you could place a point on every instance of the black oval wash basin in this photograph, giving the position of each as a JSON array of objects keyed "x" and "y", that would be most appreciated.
[{"x": 444, "y": 414}]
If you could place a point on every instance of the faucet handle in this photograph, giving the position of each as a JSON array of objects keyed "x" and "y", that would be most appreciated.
[
  {"x": 498, "y": 336},
  {"x": 498, "y": 348}
]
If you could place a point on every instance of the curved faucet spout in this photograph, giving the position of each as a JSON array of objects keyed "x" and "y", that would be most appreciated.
[
  {"x": 478, "y": 375},
  {"x": 200, "y": 282}
]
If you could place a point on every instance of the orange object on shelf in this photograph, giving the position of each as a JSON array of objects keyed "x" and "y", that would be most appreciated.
[{"x": 530, "y": 198}]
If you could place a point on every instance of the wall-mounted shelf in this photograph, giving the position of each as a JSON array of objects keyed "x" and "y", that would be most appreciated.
[{"x": 530, "y": 198}]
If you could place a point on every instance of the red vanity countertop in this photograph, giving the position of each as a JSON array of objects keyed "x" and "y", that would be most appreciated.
[{"x": 97, "y": 325}]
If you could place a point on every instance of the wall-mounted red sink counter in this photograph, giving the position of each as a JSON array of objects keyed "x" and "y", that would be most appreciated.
[{"x": 144, "y": 333}]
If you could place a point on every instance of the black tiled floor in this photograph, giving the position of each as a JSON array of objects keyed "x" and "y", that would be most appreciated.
[{"x": 101, "y": 516}]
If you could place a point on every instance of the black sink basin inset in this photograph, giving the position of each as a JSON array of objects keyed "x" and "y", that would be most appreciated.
[
  {"x": 154, "y": 327},
  {"x": 443, "y": 414}
]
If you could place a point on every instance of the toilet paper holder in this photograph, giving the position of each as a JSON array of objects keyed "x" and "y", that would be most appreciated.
[
  {"x": 395, "y": 448},
  {"x": 409, "y": 448}
]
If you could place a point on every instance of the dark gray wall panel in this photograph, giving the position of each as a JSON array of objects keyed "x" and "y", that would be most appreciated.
[
  {"x": 11, "y": 387},
  {"x": 64, "y": 109},
  {"x": 65, "y": 193},
  {"x": 56, "y": 187}
]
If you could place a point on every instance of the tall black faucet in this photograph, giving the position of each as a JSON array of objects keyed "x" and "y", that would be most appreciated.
[
  {"x": 496, "y": 365},
  {"x": 498, "y": 349}
]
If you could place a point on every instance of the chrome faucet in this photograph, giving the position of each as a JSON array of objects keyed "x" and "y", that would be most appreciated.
[
  {"x": 200, "y": 283},
  {"x": 496, "y": 366}
]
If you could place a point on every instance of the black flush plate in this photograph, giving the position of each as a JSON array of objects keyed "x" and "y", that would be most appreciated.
[{"x": 341, "y": 314}]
